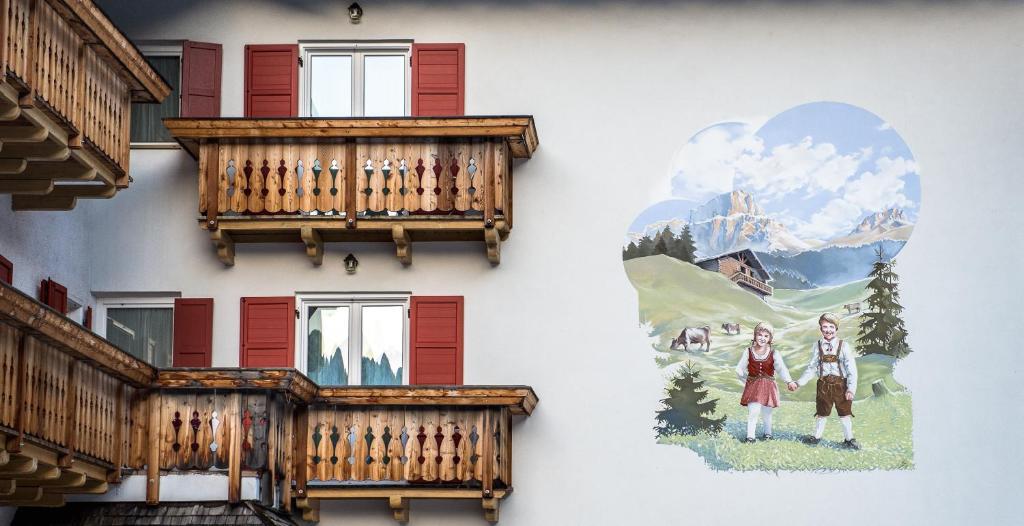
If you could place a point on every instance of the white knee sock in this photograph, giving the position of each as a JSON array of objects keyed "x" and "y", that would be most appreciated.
[
  {"x": 766, "y": 419},
  {"x": 754, "y": 410},
  {"x": 847, "y": 426},
  {"x": 819, "y": 427}
]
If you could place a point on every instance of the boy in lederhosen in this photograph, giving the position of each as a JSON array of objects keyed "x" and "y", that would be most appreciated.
[{"x": 832, "y": 361}]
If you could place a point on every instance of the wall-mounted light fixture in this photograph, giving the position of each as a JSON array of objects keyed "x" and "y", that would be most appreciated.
[
  {"x": 355, "y": 13},
  {"x": 351, "y": 263}
]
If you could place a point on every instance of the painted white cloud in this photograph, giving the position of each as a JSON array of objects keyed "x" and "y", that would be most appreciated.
[
  {"x": 837, "y": 216},
  {"x": 706, "y": 165},
  {"x": 807, "y": 167},
  {"x": 882, "y": 188}
]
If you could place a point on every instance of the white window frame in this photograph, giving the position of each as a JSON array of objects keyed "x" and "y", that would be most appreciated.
[
  {"x": 162, "y": 49},
  {"x": 355, "y": 341},
  {"x": 357, "y": 50},
  {"x": 158, "y": 300}
]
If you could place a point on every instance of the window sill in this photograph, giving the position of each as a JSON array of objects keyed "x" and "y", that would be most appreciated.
[{"x": 155, "y": 146}]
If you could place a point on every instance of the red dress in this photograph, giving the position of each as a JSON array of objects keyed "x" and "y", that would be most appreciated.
[{"x": 761, "y": 387}]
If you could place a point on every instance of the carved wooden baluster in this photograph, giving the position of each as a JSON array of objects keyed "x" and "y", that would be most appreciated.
[
  {"x": 421, "y": 437},
  {"x": 420, "y": 170},
  {"x": 457, "y": 439},
  {"x": 231, "y": 171},
  {"x": 335, "y": 437},
  {"x": 368, "y": 170},
  {"x": 453, "y": 171},
  {"x": 246, "y": 424},
  {"x": 438, "y": 437},
  {"x": 250, "y": 202},
  {"x": 194, "y": 423},
  {"x": 438, "y": 181},
  {"x": 334, "y": 169},
  {"x": 471, "y": 170},
  {"x": 386, "y": 438},
  {"x": 352, "y": 432},
  {"x": 369, "y": 442},
  {"x": 317, "y": 437},
  {"x": 386, "y": 191},
  {"x": 404, "y": 437},
  {"x": 316, "y": 177},
  {"x": 403, "y": 171},
  {"x": 282, "y": 171},
  {"x": 474, "y": 437},
  {"x": 176, "y": 423},
  {"x": 265, "y": 172},
  {"x": 300, "y": 172},
  {"x": 214, "y": 424}
]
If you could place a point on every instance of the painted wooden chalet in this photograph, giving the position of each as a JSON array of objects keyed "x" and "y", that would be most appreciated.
[
  {"x": 68, "y": 79},
  {"x": 742, "y": 268},
  {"x": 82, "y": 414}
]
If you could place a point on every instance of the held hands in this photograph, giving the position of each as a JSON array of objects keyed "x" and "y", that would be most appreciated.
[
  {"x": 849, "y": 395},
  {"x": 792, "y": 386}
]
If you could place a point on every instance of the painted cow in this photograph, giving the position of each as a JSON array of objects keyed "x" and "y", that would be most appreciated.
[
  {"x": 731, "y": 328},
  {"x": 852, "y": 308},
  {"x": 699, "y": 335}
]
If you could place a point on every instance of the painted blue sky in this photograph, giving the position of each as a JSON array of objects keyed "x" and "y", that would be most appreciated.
[{"x": 819, "y": 168}]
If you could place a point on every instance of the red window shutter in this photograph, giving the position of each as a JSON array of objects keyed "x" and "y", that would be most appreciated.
[
  {"x": 54, "y": 294},
  {"x": 87, "y": 318},
  {"x": 193, "y": 332},
  {"x": 6, "y": 271},
  {"x": 438, "y": 79},
  {"x": 268, "y": 332},
  {"x": 435, "y": 333},
  {"x": 272, "y": 80},
  {"x": 200, "y": 79}
]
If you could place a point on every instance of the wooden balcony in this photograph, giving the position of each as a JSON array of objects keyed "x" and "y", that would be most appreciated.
[
  {"x": 67, "y": 82},
  {"x": 78, "y": 415},
  {"x": 314, "y": 181},
  {"x": 744, "y": 280}
]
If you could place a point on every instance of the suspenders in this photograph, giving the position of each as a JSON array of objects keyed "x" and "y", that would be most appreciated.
[{"x": 839, "y": 362}]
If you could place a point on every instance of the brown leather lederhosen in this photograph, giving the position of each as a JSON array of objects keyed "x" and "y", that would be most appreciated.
[{"x": 831, "y": 389}]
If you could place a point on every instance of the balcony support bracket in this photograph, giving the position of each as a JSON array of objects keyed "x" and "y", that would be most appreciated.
[
  {"x": 314, "y": 244},
  {"x": 225, "y": 246},
  {"x": 310, "y": 509},
  {"x": 492, "y": 238},
  {"x": 403, "y": 244},
  {"x": 491, "y": 509},
  {"x": 399, "y": 508}
]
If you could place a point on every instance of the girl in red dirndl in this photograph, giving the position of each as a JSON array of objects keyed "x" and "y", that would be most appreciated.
[{"x": 757, "y": 368}]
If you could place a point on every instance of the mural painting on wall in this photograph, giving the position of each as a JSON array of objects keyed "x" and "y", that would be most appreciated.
[{"x": 768, "y": 284}]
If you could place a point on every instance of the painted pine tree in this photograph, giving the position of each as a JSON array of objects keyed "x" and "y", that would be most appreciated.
[
  {"x": 687, "y": 250},
  {"x": 687, "y": 408},
  {"x": 881, "y": 327}
]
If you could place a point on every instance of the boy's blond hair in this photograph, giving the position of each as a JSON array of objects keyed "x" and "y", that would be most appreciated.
[
  {"x": 829, "y": 317},
  {"x": 766, "y": 327}
]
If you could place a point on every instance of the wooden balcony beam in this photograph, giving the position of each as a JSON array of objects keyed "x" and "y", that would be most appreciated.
[
  {"x": 289, "y": 381},
  {"x": 519, "y": 131},
  {"x": 520, "y": 400}
]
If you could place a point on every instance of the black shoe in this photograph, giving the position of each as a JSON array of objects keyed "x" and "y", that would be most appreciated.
[
  {"x": 811, "y": 440},
  {"x": 749, "y": 440},
  {"x": 851, "y": 444},
  {"x": 767, "y": 437}
]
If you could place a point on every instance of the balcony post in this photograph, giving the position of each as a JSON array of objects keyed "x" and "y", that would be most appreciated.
[
  {"x": 349, "y": 197},
  {"x": 487, "y": 473},
  {"x": 119, "y": 418},
  {"x": 153, "y": 450},
  {"x": 20, "y": 383},
  {"x": 235, "y": 450},
  {"x": 490, "y": 170},
  {"x": 301, "y": 429},
  {"x": 210, "y": 155}
]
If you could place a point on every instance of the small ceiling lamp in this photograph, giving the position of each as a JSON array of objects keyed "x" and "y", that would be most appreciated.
[
  {"x": 355, "y": 13},
  {"x": 351, "y": 263}
]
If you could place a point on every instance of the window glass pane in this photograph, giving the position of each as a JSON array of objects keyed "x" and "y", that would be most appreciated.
[
  {"x": 143, "y": 333},
  {"x": 384, "y": 85},
  {"x": 330, "y": 86},
  {"x": 382, "y": 344},
  {"x": 146, "y": 125},
  {"x": 327, "y": 348}
]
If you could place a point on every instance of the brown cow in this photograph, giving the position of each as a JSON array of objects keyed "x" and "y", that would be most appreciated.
[
  {"x": 698, "y": 335},
  {"x": 731, "y": 328}
]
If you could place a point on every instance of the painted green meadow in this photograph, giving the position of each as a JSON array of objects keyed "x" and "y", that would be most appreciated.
[{"x": 674, "y": 294}]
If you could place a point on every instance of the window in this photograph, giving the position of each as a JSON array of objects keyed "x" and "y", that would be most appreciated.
[
  {"x": 355, "y": 79},
  {"x": 141, "y": 326},
  {"x": 147, "y": 126},
  {"x": 354, "y": 340}
]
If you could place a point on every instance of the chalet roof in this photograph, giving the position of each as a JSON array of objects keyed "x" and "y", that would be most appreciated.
[
  {"x": 169, "y": 514},
  {"x": 755, "y": 262}
]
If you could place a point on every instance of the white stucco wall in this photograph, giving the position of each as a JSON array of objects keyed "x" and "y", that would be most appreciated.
[{"x": 616, "y": 89}]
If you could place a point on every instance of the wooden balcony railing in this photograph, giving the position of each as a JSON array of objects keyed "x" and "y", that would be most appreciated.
[
  {"x": 742, "y": 279},
  {"x": 77, "y": 415},
  {"x": 396, "y": 180},
  {"x": 67, "y": 82}
]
